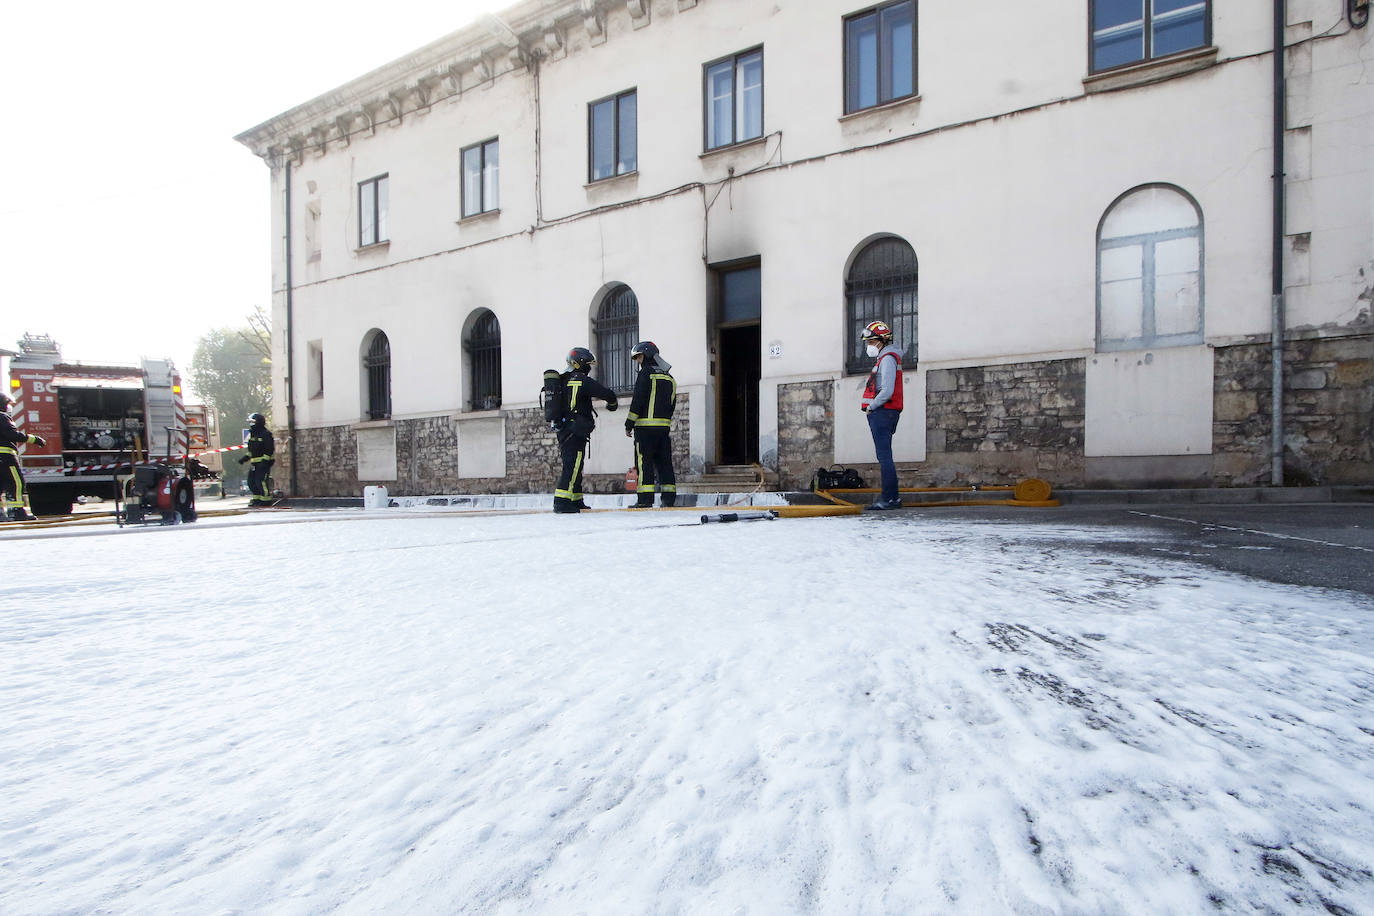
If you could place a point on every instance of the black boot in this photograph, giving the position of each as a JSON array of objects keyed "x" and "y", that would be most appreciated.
[
  {"x": 643, "y": 501},
  {"x": 564, "y": 506},
  {"x": 668, "y": 499}
]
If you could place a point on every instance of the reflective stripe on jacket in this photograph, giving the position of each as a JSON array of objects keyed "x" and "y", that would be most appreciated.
[
  {"x": 654, "y": 398},
  {"x": 261, "y": 445}
]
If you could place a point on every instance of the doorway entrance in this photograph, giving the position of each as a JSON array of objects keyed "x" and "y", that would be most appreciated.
[
  {"x": 738, "y": 362},
  {"x": 739, "y": 394}
]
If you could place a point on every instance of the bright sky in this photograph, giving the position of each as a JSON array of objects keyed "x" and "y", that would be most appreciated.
[{"x": 131, "y": 222}]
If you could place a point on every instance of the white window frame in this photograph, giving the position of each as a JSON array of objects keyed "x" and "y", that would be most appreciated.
[
  {"x": 739, "y": 95},
  {"x": 1148, "y": 244}
]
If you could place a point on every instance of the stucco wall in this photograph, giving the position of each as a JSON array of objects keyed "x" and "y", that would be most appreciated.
[{"x": 997, "y": 175}]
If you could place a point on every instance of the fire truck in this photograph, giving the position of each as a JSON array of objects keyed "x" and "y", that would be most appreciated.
[{"x": 112, "y": 431}]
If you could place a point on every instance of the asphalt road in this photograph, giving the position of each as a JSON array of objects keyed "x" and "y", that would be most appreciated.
[{"x": 1329, "y": 545}]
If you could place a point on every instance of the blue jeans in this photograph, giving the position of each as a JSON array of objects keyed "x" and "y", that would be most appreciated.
[{"x": 882, "y": 423}]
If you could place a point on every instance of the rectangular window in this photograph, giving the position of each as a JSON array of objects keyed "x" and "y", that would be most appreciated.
[
  {"x": 1130, "y": 31},
  {"x": 734, "y": 99},
  {"x": 613, "y": 125},
  {"x": 880, "y": 56},
  {"x": 741, "y": 295},
  {"x": 372, "y": 207},
  {"x": 481, "y": 174}
]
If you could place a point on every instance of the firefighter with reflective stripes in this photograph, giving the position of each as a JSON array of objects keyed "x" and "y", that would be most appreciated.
[
  {"x": 575, "y": 425},
  {"x": 651, "y": 414},
  {"x": 262, "y": 454},
  {"x": 11, "y": 477}
]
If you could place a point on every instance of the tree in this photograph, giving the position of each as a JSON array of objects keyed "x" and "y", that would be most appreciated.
[{"x": 232, "y": 371}]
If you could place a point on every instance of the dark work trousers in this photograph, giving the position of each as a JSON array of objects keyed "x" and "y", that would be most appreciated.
[
  {"x": 257, "y": 480},
  {"x": 654, "y": 465},
  {"x": 11, "y": 481},
  {"x": 882, "y": 423},
  {"x": 573, "y": 447}
]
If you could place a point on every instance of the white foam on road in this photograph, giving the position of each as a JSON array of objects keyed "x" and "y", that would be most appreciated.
[{"x": 615, "y": 713}]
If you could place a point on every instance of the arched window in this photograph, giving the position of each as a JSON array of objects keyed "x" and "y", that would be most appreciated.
[
  {"x": 377, "y": 365},
  {"x": 484, "y": 361},
  {"x": 1149, "y": 271},
  {"x": 615, "y": 330},
  {"x": 881, "y": 286}
]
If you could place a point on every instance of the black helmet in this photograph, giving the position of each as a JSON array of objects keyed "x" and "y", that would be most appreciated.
[
  {"x": 645, "y": 348},
  {"x": 580, "y": 358},
  {"x": 256, "y": 419}
]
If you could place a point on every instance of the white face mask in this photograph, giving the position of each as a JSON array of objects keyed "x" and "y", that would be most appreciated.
[{"x": 873, "y": 350}]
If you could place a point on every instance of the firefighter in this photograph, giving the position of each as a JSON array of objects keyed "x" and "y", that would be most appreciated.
[
  {"x": 882, "y": 401},
  {"x": 575, "y": 425},
  {"x": 262, "y": 450},
  {"x": 651, "y": 413},
  {"x": 11, "y": 477}
]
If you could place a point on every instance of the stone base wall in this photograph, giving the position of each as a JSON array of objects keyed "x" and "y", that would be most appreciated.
[
  {"x": 806, "y": 431},
  {"x": 427, "y": 458},
  {"x": 1328, "y": 412},
  {"x": 327, "y": 462},
  {"x": 1001, "y": 424},
  {"x": 984, "y": 424},
  {"x": 426, "y": 463}
]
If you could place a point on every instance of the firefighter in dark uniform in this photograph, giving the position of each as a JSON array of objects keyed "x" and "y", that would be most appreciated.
[
  {"x": 651, "y": 413},
  {"x": 576, "y": 425},
  {"x": 262, "y": 450},
  {"x": 11, "y": 477}
]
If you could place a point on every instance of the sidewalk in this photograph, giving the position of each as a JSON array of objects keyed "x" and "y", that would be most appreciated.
[{"x": 1201, "y": 496}]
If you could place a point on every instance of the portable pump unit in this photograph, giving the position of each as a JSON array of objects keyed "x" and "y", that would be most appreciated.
[{"x": 159, "y": 490}]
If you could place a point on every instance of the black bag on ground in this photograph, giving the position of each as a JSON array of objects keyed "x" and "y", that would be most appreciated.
[{"x": 837, "y": 478}]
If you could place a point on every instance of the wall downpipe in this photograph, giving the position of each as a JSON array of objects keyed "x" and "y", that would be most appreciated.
[
  {"x": 290, "y": 344},
  {"x": 1276, "y": 293}
]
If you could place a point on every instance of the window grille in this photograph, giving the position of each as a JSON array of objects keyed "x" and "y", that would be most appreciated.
[
  {"x": 377, "y": 363},
  {"x": 616, "y": 330},
  {"x": 881, "y": 287},
  {"x": 484, "y": 362}
]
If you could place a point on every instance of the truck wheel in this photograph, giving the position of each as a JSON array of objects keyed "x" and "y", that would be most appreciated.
[{"x": 185, "y": 497}]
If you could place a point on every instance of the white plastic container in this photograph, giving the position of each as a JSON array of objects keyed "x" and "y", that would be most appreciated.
[{"x": 375, "y": 498}]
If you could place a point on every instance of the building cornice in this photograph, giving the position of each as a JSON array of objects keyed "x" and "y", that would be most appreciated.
[{"x": 476, "y": 55}]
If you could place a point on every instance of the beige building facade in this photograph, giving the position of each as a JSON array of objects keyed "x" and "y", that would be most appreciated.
[{"x": 1067, "y": 212}]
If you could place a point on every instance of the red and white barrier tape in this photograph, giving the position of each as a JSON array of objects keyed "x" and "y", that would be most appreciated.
[{"x": 58, "y": 472}]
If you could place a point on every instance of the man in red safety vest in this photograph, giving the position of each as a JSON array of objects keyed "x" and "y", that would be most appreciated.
[{"x": 882, "y": 401}]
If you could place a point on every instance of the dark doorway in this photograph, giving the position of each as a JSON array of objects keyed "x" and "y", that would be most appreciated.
[
  {"x": 740, "y": 366},
  {"x": 739, "y": 300}
]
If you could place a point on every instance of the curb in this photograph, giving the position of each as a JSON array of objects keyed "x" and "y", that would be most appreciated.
[{"x": 1211, "y": 496}]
